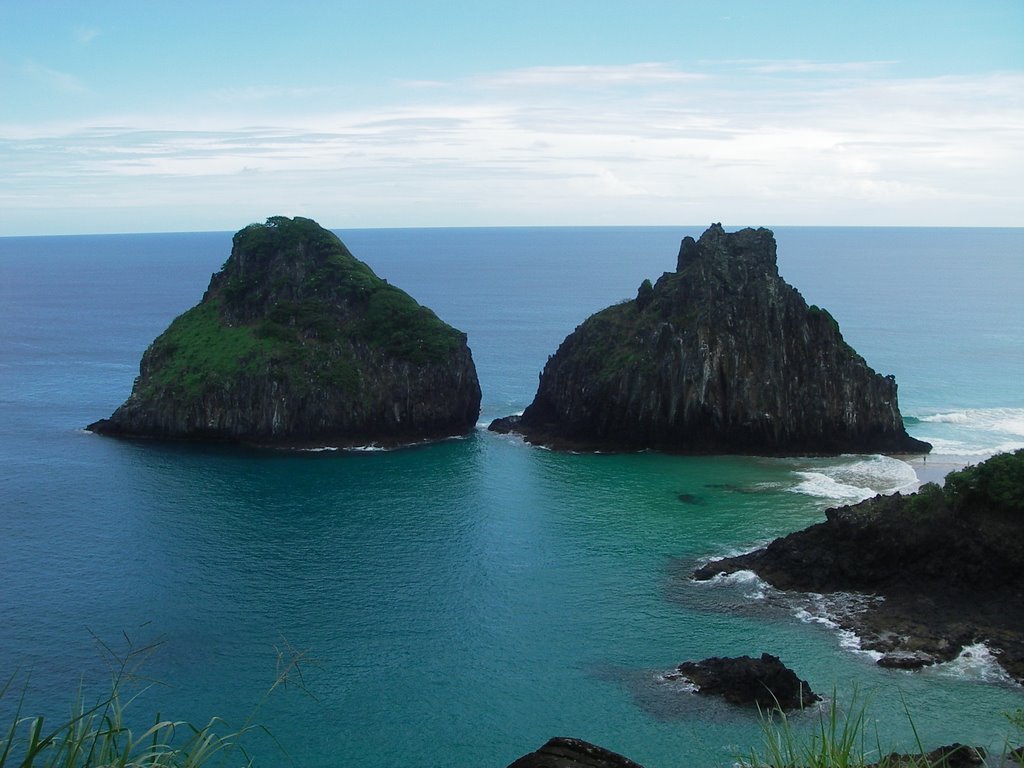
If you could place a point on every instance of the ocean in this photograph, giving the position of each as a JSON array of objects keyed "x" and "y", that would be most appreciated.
[{"x": 457, "y": 604}]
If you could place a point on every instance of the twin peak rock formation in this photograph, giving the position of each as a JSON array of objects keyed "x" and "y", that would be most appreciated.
[{"x": 296, "y": 342}]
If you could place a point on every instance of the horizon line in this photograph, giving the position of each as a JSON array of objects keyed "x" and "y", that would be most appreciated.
[{"x": 524, "y": 226}]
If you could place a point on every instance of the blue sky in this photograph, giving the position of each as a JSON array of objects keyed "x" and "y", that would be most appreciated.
[{"x": 156, "y": 116}]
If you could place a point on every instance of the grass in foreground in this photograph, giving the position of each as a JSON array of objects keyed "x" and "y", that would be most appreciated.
[
  {"x": 99, "y": 736},
  {"x": 840, "y": 739}
]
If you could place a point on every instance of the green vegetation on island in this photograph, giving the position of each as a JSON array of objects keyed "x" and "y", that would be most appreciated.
[
  {"x": 296, "y": 341},
  {"x": 304, "y": 339},
  {"x": 948, "y": 560}
]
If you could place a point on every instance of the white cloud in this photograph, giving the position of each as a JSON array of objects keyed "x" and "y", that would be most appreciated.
[
  {"x": 646, "y": 73},
  {"x": 531, "y": 146},
  {"x": 808, "y": 67}
]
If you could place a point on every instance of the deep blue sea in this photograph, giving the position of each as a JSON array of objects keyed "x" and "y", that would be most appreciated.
[{"x": 458, "y": 604}]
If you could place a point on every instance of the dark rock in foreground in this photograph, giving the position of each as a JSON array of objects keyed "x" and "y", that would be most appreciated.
[
  {"x": 720, "y": 356},
  {"x": 572, "y": 753},
  {"x": 954, "y": 755},
  {"x": 948, "y": 561},
  {"x": 765, "y": 682},
  {"x": 297, "y": 342}
]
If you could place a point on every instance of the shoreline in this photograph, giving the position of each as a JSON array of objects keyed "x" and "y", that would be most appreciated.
[
  {"x": 946, "y": 563},
  {"x": 935, "y": 471}
]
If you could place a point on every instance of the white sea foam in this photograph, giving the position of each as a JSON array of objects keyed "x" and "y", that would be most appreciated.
[
  {"x": 1008, "y": 420},
  {"x": 677, "y": 681},
  {"x": 826, "y": 609},
  {"x": 321, "y": 449},
  {"x": 484, "y": 424},
  {"x": 810, "y": 608},
  {"x": 807, "y": 617},
  {"x": 512, "y": 437},
  {"x": 752, "y": 585},
  {"x": 854, "y": 478},
  {"x": 850, "y": 641},
  {"x": 973, "y": 431},
  {"x": 823, "y": 486},
  {"x": 944, "y": 447},
  {"x": 975, "y": 662}
]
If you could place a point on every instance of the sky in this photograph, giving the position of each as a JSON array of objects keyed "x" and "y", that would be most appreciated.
[{"x": 163, "y": 116}]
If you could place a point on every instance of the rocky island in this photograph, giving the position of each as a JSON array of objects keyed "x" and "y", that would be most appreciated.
[
  {"x": 297, "y": 342},
  {"x": 765, "y": 682},
  {"x": 720, "y": 356},
  {"x": 948, "y": 563}
]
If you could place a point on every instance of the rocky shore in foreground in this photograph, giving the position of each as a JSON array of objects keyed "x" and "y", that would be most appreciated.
[
  {"x": 947, "y": 562},
  {"x": 948, "y": 565},
  {"x": 561, "y": 752}
]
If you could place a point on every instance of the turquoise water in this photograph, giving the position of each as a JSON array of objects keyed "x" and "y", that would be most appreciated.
[{"x": 460, "y": 603}]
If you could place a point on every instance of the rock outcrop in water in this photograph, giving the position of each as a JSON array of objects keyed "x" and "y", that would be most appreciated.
[
  {"x": 297, "y": 342},
  {"x": 561, "y": 752},
  {"x": 948, "y": 561},
  {"x": 720, "y": 356},
  {"x": 765, "y": 682}
]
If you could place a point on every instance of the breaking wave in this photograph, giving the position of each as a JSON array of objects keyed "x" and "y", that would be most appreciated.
[
  {"x": 854, "y": 478},
  {"x": 975, "y": 662},
  {"x": 971, "y": 431}
]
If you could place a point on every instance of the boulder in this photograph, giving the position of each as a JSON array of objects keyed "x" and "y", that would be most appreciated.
[
  {"x": 906, "y": 660},
  {"x": 561, "y": 752},
  {"x": 954, "y": 755},
  {"x": 765, "y": 682}
]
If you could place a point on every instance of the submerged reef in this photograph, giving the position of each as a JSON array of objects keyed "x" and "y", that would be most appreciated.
[
  {"x": 720, "y": 356},
  {"x": 297, "y": 342}
]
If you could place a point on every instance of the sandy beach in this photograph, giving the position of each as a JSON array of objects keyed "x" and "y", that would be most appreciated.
[{"x": 933, "y": 469}]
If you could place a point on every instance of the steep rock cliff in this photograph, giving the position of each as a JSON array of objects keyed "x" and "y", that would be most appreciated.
[
  {"x": 296, "y": 341},
  {"x": 720, "y": 356}
]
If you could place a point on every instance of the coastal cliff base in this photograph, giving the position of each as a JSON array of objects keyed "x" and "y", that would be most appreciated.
[{"x": 947, "y": 563}]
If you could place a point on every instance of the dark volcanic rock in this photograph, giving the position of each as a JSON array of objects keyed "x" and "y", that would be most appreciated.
[
  {"x": 572, "y": 753},
  {"x": 949, "y": 563},
  {"x": 720, "y": 356},
  {"x": 297, "y": 342},
  {"x": 906, "y": 660},
  {"x": 954, "y": 755},
  {"x": 765, "y": 682}
]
